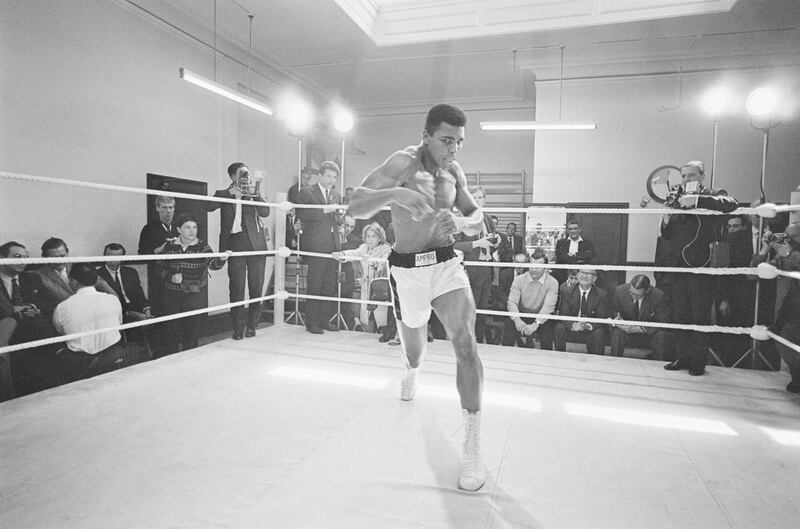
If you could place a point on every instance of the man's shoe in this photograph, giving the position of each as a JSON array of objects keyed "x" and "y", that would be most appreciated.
[
  {"x": 408, "y": 383},
  {"x": 394, "y": 341},
  {"x": 250, "y": 332},
  {"x": 793, "y": 386},
  {"x": 328, "y": 326},
  {"x": 384, "y": 338},
  {"x": 697, "y": 372},
  {"x": 313, "y": 329},
  {"x": 238, "y": 334},
  {"x": 473, "y": 473},
  {"x": 675, "y": 365}
]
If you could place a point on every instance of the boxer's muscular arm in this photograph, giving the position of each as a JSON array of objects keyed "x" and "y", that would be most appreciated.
[{"x": 382, "y": 187}]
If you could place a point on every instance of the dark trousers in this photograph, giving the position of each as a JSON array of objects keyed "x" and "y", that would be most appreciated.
[
  {"x": 243, "y": 270},
  {"x": 184, "y": 332},
  {"x": 545, "y": 331},
  {"x": 595, "y": 339},
  {"x": 480, "y": 282},
  {"x": 692, "y": 298},
  {"x": 320, "y": 281},
  {"x": 656, "y": 342},
  {"x": 790, "y": 331}
]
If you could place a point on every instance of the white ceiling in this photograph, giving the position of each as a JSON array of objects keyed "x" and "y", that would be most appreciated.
[{"x": 316, "y": 45}]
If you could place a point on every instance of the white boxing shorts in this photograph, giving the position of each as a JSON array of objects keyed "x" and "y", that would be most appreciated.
[{"x": 419, "y": 278}]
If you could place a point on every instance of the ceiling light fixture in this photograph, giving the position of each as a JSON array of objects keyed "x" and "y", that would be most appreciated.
[
  {"x": 224, "y": 91},
  {"x": 542, "y": 125}
]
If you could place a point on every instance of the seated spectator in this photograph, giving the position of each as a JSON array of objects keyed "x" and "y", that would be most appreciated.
[
  {"x": 185, "y": 284},
  {"x": 574, "y": 249},
  {"x": 352, "y": 241},
  {"x": 536, "y": 292},
  {"x": 583, "y": 299},
  {"x": 87, "y": 310},
  {"x": 55, "y": 276},
  {"x": 638, "y": 301},
  {"x": 124, "y": 280},
  {"x": 507, "y": 276},
  {"x": 569, "y": 282},
  {"x": 26, "y": 311},
  {"x": 374, "y": 246},
  {"x": 786, "y": 256}
]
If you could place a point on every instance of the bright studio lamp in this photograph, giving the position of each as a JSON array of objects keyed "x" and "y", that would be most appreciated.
[
  {"x": 224, "y": 91},
  {"x": 543, "y": 125},
  {"x": 715, "y": 101}
]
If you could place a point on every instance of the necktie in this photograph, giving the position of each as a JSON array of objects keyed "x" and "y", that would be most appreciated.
[
  {"x": 327, "y": 196},
  {"x": 636, "y": 310},
  {"x": 582, "y": 308},
  {"x": 118, "y": 286},
  {"x": 16, "y": 294}
]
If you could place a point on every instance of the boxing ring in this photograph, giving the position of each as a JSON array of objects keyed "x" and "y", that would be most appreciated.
[{"x": 295, "y": 430}]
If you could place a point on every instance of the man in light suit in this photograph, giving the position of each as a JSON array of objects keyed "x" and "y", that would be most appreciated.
[
  {"x": 574, "y": 249},
  {"x": 583, "y": 299},
  {"x": 320, "y": 233},
  {"x": 638, "y": 301},
  {"x": 241, "y": 230}
]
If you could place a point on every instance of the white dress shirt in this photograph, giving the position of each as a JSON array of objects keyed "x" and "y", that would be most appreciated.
[
  {"x": 573, "y": 245},
  {"x": 87, "y": 310}
]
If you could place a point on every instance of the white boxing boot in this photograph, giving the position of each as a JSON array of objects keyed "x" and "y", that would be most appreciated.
[{"x": 473, "y": 473}]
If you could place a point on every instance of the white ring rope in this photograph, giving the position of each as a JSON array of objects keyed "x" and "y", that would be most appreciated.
[
  {"x": 135, "y": 258},
  {"x": 124, "y": 326},
  {"x": 784, "y": 341},
  {"x": 764, "y": 210},
  {"x": 618, "y": 268}
]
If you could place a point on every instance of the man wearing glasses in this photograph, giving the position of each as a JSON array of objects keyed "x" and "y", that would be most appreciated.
[{"x": 583, "y": 300}]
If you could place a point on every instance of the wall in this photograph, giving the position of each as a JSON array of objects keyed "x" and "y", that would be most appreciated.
[{"x": 90, "y": 91}]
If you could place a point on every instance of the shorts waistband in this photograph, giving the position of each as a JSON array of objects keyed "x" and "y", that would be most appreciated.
[{"x": 420, "y": 259}]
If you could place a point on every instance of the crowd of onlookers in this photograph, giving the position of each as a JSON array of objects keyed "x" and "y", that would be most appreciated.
[{"x": 59, "y": 298}]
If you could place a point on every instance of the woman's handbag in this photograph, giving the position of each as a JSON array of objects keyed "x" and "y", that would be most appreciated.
[{"x": 378, "y": 291}]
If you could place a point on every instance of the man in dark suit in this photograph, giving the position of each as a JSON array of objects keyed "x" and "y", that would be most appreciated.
[
  {"x": 320, "y": 234},
  {"x": 691, "y": 237},
  {"x": 152, "y": 240},
  {"x": 241, "y": 230},
  {"x": 510, "y": 245},
  {"x": 305, "y": 179},
  {"x": 479, "y": 247},
  {"x": 583, "y": 299},
  {"x": 638, "y": 301},
  {"x": 25, "y": 300},
  {"x": 573, "y": 249},
  {"x": 125, "y": 282}
]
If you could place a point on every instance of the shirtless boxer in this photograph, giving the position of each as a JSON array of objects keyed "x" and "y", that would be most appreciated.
[{"x": 423, "y": 184}]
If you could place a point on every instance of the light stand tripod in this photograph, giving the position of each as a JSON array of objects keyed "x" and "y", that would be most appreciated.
[
  {"x": 340, "y": 321},
  {"x": 754, "y": 351},
  {"x": 296, "y": 317}
]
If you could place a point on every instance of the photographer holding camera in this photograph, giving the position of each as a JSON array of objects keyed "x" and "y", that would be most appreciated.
[
  {"x": 480, "y": 247},
  {"x": 241, "y": 230},
  {"x": 691, "y": 238},
  {"x": 783, "y": 251}
]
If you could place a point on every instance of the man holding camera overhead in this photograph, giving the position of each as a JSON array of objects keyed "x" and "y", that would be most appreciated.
[
  {"x": 692, "y": 237},
  {"x": 241, "y": 230}
]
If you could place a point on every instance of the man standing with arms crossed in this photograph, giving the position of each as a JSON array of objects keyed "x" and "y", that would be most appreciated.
[{"x": 422, "y": 184}]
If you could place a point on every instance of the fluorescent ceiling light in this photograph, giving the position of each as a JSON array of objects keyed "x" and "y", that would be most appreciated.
[
  {"x": 538, "y": 125},
  {"x": 217, "y": 88}
]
